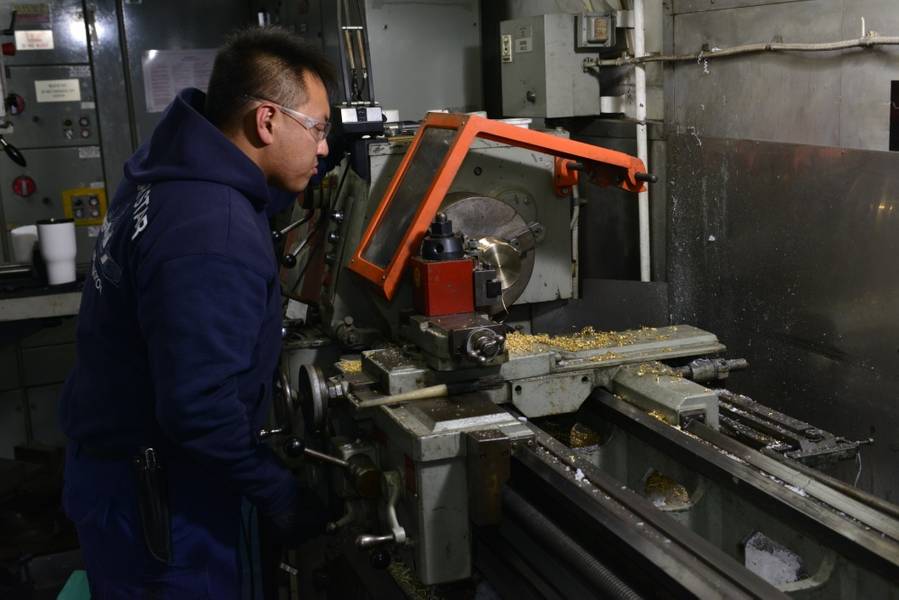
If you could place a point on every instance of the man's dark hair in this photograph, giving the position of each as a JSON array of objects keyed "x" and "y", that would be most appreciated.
[{"x": 265, "y": 62}]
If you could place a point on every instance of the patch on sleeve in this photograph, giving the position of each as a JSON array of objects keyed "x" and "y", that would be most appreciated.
[{"x": 141, "y": 210}]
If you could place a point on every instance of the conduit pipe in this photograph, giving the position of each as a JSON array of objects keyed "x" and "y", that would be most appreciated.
[
  {"x": 870, "y": 40},
  {"x": 642, "y": 142}
]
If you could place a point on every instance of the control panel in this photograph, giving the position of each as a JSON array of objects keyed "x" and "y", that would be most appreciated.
[
  {"x": 50, "y": 106},
  {"x": 51, "y": 118},
  {"x": 541, "y": 64},
  {"x": 85, "y": 205},
  {"x": 58, "y": 182}
]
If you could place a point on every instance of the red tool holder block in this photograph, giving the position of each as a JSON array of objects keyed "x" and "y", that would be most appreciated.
[{"x": 442, "y": 287}]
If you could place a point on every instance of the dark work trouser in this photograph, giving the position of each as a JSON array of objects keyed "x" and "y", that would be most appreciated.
[{"x": 100, "y": 496}]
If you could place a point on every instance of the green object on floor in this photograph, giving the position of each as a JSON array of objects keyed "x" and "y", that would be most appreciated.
[{"x": 76, "y": 588}]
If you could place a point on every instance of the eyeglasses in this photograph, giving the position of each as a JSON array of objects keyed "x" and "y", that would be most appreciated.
[{"x": 319, "y": 129}]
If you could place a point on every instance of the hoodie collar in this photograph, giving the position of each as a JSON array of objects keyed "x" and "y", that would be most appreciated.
[{"x": 186, "y": 146}]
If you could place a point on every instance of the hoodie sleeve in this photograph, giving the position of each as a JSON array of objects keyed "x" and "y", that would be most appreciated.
[{"x": 201, "y": 315}]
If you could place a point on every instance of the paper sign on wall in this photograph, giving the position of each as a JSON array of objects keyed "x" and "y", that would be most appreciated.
[
  {"x": 58, "y": 90},
  {"x": 166, "y": 72},
  {"x": 35, "y": 39}
]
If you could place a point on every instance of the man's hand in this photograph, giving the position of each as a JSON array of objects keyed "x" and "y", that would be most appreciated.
[{"x": 305, "y": 520}]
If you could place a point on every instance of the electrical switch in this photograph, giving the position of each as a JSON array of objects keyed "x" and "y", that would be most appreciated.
[
  {"x": 506, "y": 48},
  {"x": 15, "y": 104},
  {"x": 23, "y": 186}
]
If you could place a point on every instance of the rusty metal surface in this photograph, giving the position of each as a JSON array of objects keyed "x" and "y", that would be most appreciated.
[{"x": 788, "y": 253}]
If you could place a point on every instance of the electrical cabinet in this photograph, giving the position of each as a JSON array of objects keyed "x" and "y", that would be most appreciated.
[
  {"x": 51, "y": 117},
  {"x": 542, "y": 72}
]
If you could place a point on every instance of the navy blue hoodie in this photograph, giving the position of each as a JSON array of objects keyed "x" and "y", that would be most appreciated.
[{"x": 180, "y": 324}]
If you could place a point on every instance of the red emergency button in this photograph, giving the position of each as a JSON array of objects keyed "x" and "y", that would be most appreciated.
[
  {"x": 23, "y": 185},
  {"x": 9, "y": 48}
]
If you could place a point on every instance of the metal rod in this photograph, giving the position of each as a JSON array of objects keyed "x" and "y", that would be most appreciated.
[
  {"x": 349, "y": 48},
  {"x": 361, "y": 45},
  {"x": 434, "y": 391},
  {"x": 642, "y": 141},
  {"x": 290, "y": 259},
  {"x": 325, "y": 458},
  {"x": 277, "y": 235},
  {"x": 850, "y": 490},
  {"x": 553, "y": 537}
]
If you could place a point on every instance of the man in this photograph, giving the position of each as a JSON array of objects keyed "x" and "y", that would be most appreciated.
[{"x": 180, "y": 327}]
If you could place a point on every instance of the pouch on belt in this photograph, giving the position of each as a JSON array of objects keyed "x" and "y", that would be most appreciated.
[{"x": 152, "y": 497}]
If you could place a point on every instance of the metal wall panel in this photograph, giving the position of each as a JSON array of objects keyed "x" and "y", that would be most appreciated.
[
  {"x": 173, "y": 25},
  {"x": 66, "y": 22},
  {"x": 776, "y": 97},
  {"x": 787, "y": 252},
  {"x": 865, "y": 79},
  {"x": 425, "y": 55},
  {"x": 688, "y": 6},
  {"x": 117, "y": 137},
  {"x": 826, "y": 98}
]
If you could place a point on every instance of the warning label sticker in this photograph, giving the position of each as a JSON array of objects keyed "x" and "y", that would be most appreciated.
[{"x": 58, "y": 90}]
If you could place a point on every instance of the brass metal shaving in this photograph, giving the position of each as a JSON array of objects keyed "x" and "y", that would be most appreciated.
[
  {"x": 665, "y": 492},
  {"x": 585, "y": 339},
  {"x": 582, "y": 436},
  {"x": 656, "y": 368},
  {"x": 349, "y": 366},
  {"x": 409, "y": 583},
  {"x": 655, "y": 414},
  {"x": 604, "y": 357}
]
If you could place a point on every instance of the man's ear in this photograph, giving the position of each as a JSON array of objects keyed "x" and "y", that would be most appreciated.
[{"x": 264, "y": 116}]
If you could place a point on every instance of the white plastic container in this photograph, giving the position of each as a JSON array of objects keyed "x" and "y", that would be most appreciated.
[
  {"x": 57, "y": 243},
  {"x": 23, "y": 240}
]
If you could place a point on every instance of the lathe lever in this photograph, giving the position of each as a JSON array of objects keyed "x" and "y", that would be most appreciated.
[{"x": 370, "y": 541}]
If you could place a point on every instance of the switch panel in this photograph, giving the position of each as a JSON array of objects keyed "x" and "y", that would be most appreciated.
[
  {"x": 50, "y": 106},
  {"x": 86, "y": 205},
  {"x": 506, "y": 48}
]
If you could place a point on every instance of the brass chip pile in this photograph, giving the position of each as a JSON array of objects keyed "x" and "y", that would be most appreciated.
[
  {"x": 409, "y": 583},
  {"x": 664, "y": 491},
  {"x": 349, "y": 366},
  {"x": 656, "y": 368},
  {"x": 586, "y": 339},
  {"x": 582, "y": 436}
]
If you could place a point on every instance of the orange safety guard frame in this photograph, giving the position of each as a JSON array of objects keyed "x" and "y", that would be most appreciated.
[{"x": 605, "y": 167}]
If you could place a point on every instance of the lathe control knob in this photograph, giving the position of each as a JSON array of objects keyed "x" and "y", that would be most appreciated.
[
  {"x": 484, "y": 344},
  {"x": 294, "y": 447}
]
